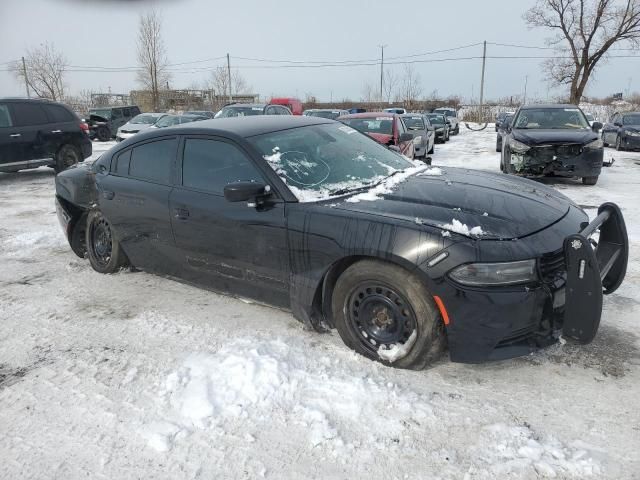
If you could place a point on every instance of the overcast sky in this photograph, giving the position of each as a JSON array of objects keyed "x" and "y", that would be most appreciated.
[{"x": 103, "y": 33}]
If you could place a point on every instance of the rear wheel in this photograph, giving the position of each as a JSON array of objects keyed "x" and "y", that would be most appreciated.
[
  {"x": 604, "y": 142},
  {"x": 385, "y": 313},
  {"x": 67, "y": 156},
  {"x": 590, "y": 180},
  {"x": 103, "y": 250}
]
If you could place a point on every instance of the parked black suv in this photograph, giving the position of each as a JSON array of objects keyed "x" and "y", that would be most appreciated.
[
  {"x": 104, "y": 122},
  {"x": 34, "y": 133}
]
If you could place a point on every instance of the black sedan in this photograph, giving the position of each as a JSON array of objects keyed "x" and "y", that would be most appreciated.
[
  {"x": 442, "y": 126},
  {"x": 310, "y": 215},
  {"x": 502, "y": 129},
  {"x": 552, "y": 140},
  {"x": 623, "y": 131}
]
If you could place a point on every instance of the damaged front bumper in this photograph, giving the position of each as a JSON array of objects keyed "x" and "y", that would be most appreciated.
[
  {"x": 505, "y": 322},
  {"x": 561, "y": 160}
]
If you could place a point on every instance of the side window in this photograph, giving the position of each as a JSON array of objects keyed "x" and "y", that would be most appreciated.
[
  {"x": 5, "y": 118},
  {"x": 209, "y": 165},
  {"x": 127, "y": 112},
  {"x": 58, "y": 114},
  {"x": 135, "y": 111},
  {"x": 25, "y": 114},
  {"x": 284, "y": 111},
  {"x": 270, "y": 111},
  {"x": 152, "y": 161},
  {"x": 116, "y": 113},
  {"x": 122, "y": 163},
  {"x": 401, "y": 128}
]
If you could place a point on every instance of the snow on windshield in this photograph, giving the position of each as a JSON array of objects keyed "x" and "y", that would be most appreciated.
[{"x": 323, "y": 161}]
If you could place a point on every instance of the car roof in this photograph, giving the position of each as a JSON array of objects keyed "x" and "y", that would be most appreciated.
[
  {"x": 370, "y": 114},
  {"x": 249, "y": 126},
  {"x": 548, "y": 106}
]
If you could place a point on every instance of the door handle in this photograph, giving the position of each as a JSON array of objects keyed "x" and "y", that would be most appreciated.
[
  {"x": 56, "y": 131},
  {"x": 182, "y": 213},
  {"x": 108, "y": 194},
  {"x": 15, "y": 135}
]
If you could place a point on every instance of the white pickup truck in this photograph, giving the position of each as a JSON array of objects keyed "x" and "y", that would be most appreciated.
[{"x": 452, "y": 116}]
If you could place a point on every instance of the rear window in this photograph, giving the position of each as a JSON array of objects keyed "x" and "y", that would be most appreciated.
[
  {"x": 381, "y": 125},
  {"x": 152, "y": 161},
  {"x": 25, "y": 114},
  {"x": 59, "y": 114}
]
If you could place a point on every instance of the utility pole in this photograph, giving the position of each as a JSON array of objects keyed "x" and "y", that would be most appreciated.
[
  {"x": 381, "y": 69},
  {"x": 484, "y": 59},
  {"x": 524, "y": 99},
  {"x": 229, "y": 74},
  {"x": 26, "y": 79}
]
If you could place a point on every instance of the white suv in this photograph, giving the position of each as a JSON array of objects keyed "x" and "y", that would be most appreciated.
[{"x": 452, "y": 116}]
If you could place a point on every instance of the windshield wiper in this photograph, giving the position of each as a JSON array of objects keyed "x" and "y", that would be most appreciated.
[{"x": 344, "y": 191}]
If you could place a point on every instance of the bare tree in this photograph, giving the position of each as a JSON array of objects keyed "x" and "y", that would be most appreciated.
[
  {"x": 220, "y": 82},
  {"x": 45, "y": 71},
  {"x": 389, "y": 85},
  {"x": 410, "y": 88},
  {"x": 584, "y": 31},
  {"x": 152, "y": 56},
  {"x": 369, "y": 93}
]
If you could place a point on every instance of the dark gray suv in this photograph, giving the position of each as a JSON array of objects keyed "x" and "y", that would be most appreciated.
[{"x": 36, "y": 132}]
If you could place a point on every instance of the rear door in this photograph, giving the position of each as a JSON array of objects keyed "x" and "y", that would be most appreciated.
[
  {"x": 134, "y": 197},
  {"x": 29, "y": 123},
  {"x": 228, "y": 246},
  {"x": 7, "y": 144},
  {"x": 63, "y": 128}
]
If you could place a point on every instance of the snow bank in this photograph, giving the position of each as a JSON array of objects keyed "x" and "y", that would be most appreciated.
[
  {"x": 273, "y": 385},
  {"x": 461, "y": 228},
  {"x": 505, "y": 450}
]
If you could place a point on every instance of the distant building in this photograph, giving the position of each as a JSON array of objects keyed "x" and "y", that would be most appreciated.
[{"x": 181, "y": 100}]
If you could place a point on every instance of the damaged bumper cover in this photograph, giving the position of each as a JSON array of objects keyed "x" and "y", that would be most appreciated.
[
  {"x": 505, "y": 322},
  {"x": 570, "y": 160}
]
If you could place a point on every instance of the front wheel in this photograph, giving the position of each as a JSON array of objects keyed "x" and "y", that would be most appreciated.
[
  {"x": 67, "y": 156},
  {"x": 103, "y": 134},
  {"x": 433, "y": 147},
  {"x": 619, "y": 146},
  {"x": 385, "y": 313},
  {"x": 590, "y": 180},
  {"x": 103, "y": 250}
]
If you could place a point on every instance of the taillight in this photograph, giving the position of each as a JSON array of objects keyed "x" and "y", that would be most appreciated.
[{"x": 84, "y": 127}]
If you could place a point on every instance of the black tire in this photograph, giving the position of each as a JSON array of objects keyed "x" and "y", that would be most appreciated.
[
  {"x": 67, "y": 156},
  {"x": 433, "y": 147},
  {"x": 602, "y": 136},
  {"x": 619, "y": 146},
  {"x": 457, "y": 130},
  {"x": 590, "y": 180},
  {"x": 401, "y": 305},
  {"x": 103, "y": 134},
  {"x": 498, "y": 147},
  {"x": 505, "y": 166},
  {"x": 103, "y": 250}
]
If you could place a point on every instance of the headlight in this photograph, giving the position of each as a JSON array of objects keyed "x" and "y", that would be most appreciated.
[
  {"x": 596, "y": 144},
  {"x": 417, "y": 140},
  {"x": 491, "y": 274},
  {"x": 518, "y": 147}
]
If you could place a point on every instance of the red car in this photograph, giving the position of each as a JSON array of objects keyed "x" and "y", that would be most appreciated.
[
  {"x": 293, "y": 104},
  {"x": 385, "y": 128}
]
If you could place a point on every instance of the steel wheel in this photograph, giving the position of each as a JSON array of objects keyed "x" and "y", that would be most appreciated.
[
  {"x": 379, "y": 315},
  {"x": 101, "y": 242}
]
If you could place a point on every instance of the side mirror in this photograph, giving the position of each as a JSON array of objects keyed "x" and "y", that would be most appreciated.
[
  {"x": 405, "y": 137},
  {"x": 596, "y": 126},
  {"x": 244, "y": 191}
]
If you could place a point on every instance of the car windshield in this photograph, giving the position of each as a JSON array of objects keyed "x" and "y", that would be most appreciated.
[
  {"x": 551, "y": 118},
  {"x": 414, "y": 123},
  {"x": 318, "y": 161},
  {"x": 167, "y": 121},
  {"x": 381, "y": 125},
  {"x": 106, "y": 113},
  {"x": 330, "y": 114},
  {"x": 144, "y": 119},
  {"x": 240, "y": 111},
  {"x": 437, "y": 119},
  {"x": 631, "y": 119}
]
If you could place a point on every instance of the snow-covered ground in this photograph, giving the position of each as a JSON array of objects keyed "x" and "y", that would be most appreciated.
[{"x": 135, "y": 376}]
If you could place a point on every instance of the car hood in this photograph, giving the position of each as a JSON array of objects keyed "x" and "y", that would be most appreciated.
[
  {"x": 135, "y": 126},
  {"x": 632, "y": 128},
  {"x": 549, "y": 137},
  {"x": 505, "y": 207}
]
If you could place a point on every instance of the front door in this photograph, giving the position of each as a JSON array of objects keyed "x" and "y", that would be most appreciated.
[{"x": 228, "y": 246}]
